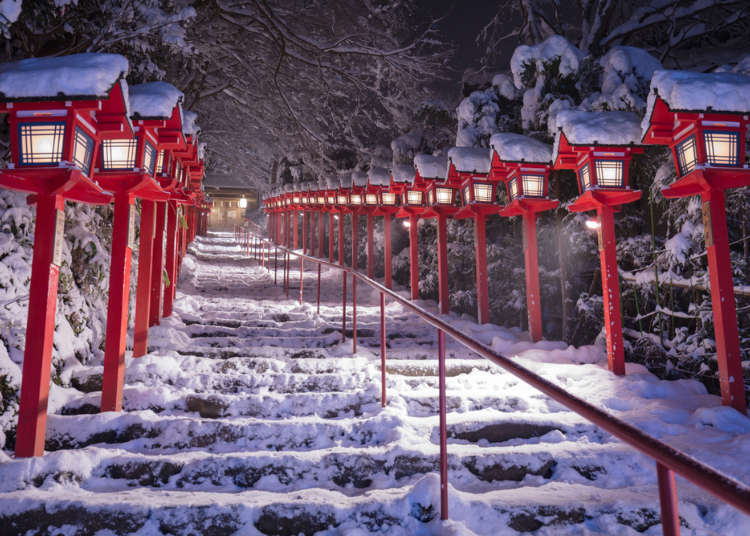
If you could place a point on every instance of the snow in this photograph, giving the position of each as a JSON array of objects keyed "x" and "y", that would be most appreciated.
[
  {"x": 332, "y": 182},
  {"x": 512, "y": 147},
  {"x": 190, "y": 123},
  {"x": 380, "y": 176},
  {"x": 77, "y": 75},
  {"x": 601, "y": 128},
  {"x": 154, "y": 100},
  {"x": 626, "y": 65},
  {"x": 470, "y": 159},
  {"x": 359, "y": 179},
  {"x": 504, "y": 85},
  {"x": 403, "y": 173},
  {"x": 431, "y": 167},
  {"x": 553, "y": 47},
  {"x": 345, "y": 179},
  {"x": 691, "y": 91},
  {"x": 10, "y": 10},
  {"x": 300, "y": 434}
]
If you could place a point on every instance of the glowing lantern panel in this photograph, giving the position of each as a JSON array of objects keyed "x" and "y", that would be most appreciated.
[
  {"x": 533, "y": 185},
  {"x": 371, "y": 199},
  {"x": 83, "y": 150},
  {"x": 444, "y": 195},
  {"x": 722, "y": 148},
  {"x": 356, "y": 199},
  {"x": 610, "y": 173},
  {"x": 482, "y": 192},
  {"x": 388, "y": 199},
  {"x": 41, "y": 143},
  {"x": 118, "y": 154},
  {"x": 414, "y": 197}
]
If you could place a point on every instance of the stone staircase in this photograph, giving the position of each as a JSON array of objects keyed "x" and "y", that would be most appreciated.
[{"x": 249, "y": 416}]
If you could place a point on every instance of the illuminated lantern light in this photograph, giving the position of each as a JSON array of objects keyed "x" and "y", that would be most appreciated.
[
  {"x": 703, "y": 118},
  {"x": 243, "y": 202},
  {"x": 598, "y": 146}
]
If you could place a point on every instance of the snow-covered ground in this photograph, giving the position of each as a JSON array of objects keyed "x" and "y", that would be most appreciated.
[{"x": 250, "y": 416}]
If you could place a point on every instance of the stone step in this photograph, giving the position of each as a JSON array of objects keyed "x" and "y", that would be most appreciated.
[{"x": 555, "y": 508}]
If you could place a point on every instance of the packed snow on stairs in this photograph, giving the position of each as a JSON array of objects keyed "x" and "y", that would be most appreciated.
[{"x": 250, "y": 416}]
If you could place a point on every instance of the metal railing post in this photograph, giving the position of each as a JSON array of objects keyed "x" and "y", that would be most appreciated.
[
  {"x": 670, "y": 518},
  {"x": 301, "y": 278},
  {"x": 318, "y": 289},
  {"x": 443, "y": 427},
  {"x": 343, "y": 309},
  {"x": 275, "y": 263},
  {"x": 354, "y": 314},
  {"x": 382, "y": 349},
  {"x": 286, "y": 274}
]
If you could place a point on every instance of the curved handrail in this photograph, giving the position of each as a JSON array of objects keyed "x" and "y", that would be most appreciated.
[{"x": 720, "y": 485}]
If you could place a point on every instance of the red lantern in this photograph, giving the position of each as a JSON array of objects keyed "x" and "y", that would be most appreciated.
[
  {"x": 703, "y": 118},
  {"x": 524, "y": 165},
  {"x": 599, "y": 146},
  {"x": 59, "y": 108}
]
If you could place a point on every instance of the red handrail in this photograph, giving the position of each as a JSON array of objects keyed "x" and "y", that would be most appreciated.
[{"x": 668, "y": 459}]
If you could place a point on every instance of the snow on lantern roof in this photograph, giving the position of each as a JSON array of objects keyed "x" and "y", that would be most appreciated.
[
  {"x": 202, "y": 151},
  {"x": 380, "y": 176},
  {"x": 698, "y": 92},
  {"x": 512, "y": 147},
  {"x": 154, "y": 100},
  {"x": 75, "y": 76},
  {"x": 345, "y": 179},
  {"x": 470, "y": 159},
  {"x": 403, "y": 173},
  {"x": 359, "y": 179},
  {"x": 597, "y": 128},
  {"x": 190, "y": 123},
  {"x": 431, "y": 167}
]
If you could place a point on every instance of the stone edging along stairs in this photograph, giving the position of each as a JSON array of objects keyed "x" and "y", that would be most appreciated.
[{"x": 248, "y": 416}]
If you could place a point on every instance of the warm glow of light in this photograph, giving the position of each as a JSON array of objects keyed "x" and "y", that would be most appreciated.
[
  {"x": 482, "y": 192},
  {"x": 335, "y": 216},
  {"x": 321, "y": 200},
  {"x": 342, "y": 199},
  {"x": 513, "y": 188},
  {"x": 118, "y": 154},
  {"x": 610, "y": 173},
  {"x": 414, "y": 197},
  {"x": 371, "y": 199},
  {"x": 388, "y": 198},
  {"x": 356, "y": 199},
  {"x": 722, "y": 148},
  {"x": 243, "y": 203},
  {"x": 296, "y": 199},
  {"x": 407, "y": 223},
  {"x": 444, "y": 195},
  {"x": 331, "y": 199},
  {"x": 593, "y": 224},
  {"x": 533, "y": 185},
  {"x": 41, "y": 143}
]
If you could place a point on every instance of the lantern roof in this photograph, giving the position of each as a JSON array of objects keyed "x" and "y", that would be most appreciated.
[
  {"x": 403, "y": 173},
  {"x": 431, "y": 167},
  {"x": 596, "y": 128},
  {"x": 512, "y": 147},
  {"x": 78, "y": 76},
  {"x": 359, "y": 179},
  {"x": 154, "y": 100},
  {"x": 469, "y": 159},
  {"x": 380, "y": 176}
]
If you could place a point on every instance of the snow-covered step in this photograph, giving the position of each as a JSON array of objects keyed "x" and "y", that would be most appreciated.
[{"x": 557, "y": 508}]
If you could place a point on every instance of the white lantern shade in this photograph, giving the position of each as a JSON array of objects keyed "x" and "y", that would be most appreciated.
[
  {"x": 321, "y": 200},
  {"x": 414, "y": 197},
  {"x": 533, "y": 185},
  {"x": 584, "y": 176},
  {"x": 444, "y": 195},
  {"x": 371, "y": 199},
  {"x": 41, "y": 143},
  {"x": 356, "y": 199},
  {"x": 388, "y": 198},
  {"x": 610, "y": 173},
  {"x": 149, "y": 158},
  {"x": 342, "y": 200},
  {"x": 83, "y": 149},
  {"x": 118, "y": 154},
  {"x": 331, "y": 199},
  {"x": 722, "y": 148},
  {"x": 482, "y": 192},
  {"x": 243, "y": 203},
  {"x": 513, "y": 188}
]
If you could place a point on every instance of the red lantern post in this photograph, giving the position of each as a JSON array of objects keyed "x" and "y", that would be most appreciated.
[
  {"x": 524, "y": 164},
  {"x": 442, "y": 203},
  {"x": 703, "y": 118},
  {"x": 468, "y": 168},
  {"x": 160, "y": 123},
  {"x": 125, "y": 167},
  {"x": 56, "y": 108},
  {"x": 412, "y": 206},
  {"x": 598, "y": 146}
]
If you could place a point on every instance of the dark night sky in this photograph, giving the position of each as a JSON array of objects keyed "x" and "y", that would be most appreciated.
[{"x": 460, "y": 23}]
